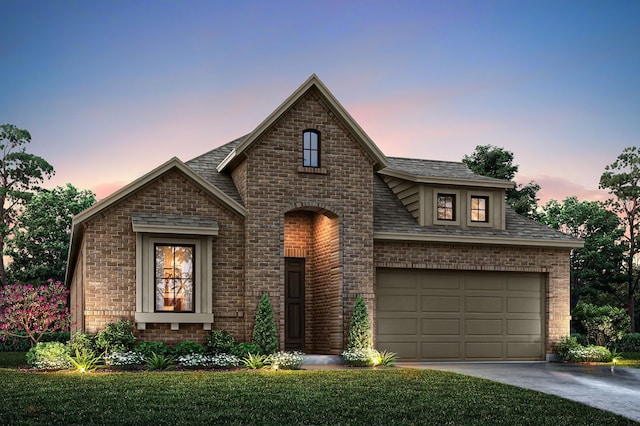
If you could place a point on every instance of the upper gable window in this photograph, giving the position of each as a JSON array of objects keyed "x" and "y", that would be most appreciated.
[
  {"x": 311, "y": 148},
  {"x": 446, "y": 207},
  {"x": 479, "y": 209}
]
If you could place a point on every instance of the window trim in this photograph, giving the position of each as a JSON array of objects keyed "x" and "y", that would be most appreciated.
[
  {"x": 489, "y": 207},
  {"x": 456, "y": 206},
  {"x": 317, "y": 150}
]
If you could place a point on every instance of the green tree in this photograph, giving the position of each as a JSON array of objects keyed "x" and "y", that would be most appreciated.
[
  {"x": 360, "y": 335},
  {"x": 496, "y": 162},
  {"x": 265, "y": 334},
  {"x": 621, "y": 179},
  {"x": 20, "y": 175},
  {"x": 40, "y": 242},
  {"x": 596, "y": 267}
]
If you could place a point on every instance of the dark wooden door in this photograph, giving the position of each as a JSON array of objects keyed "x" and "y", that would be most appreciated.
[{"x": 294, "y": 304}]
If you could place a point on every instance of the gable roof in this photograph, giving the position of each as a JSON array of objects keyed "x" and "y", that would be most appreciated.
[
  {"x": 235, "y": 155},
  {"x": 440, "y": 172}
]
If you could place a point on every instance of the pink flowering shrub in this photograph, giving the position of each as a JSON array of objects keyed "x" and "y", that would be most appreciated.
[{"x": 34, "y": 310}]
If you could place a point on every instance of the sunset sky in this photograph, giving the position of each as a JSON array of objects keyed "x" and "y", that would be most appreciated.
[{"x": 111, "y": 89}]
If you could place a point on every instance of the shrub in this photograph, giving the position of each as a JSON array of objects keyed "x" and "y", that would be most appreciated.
[
  {"x": 566, "y": 344},
  {"x": 363, "y": 357},
  {"x": 590, "y": 354},
  {"x": 220, "y": 341},
  {"x": 602, "y": 325},
  {"x": 187, "y": 347},
  {"x": 242, "y": 350},
  {"x": 82, "y": 342},
  {"x": 265, "y": 334},
  {"x": 159, "y": 362},
  {"x": 149, "y": 348},
  {"x": 629, "y": 343},
  {"x": 49, "y": 356},
  {"x": 124, "y": 359},
  {"x": 208, "y": 361},
  {"x": 85, "y": 361},
  {"x": 287, "y": 360},
  {"x": 256, "y": 362},
  {"x": 116, "y": 337},
  {"x": 360, "y": 336},
  {"x": 580, "y": 338}
]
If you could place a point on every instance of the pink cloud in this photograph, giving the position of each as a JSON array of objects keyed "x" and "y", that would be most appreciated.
[
  {"x": 102, "y": 190},
  {"x": 559, "y": 188}
]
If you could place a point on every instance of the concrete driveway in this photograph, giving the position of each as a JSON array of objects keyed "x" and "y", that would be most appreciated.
[{"x": 617, "y": 391}]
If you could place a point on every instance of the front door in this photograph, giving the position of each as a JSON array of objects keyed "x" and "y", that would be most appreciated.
[{"x": 294, "y": 304}]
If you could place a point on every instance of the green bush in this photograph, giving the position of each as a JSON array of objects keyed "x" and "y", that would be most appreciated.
[
  {"x": 566, "y": 344},
  {"x": 629, "y": 343},
  {"x": 220, "y": 342},
  {"x": 581, "y": 338},
  {"x": 159, "y": 362},
  {"x": 256, "y": 362},
  {"x": 242, "y": 350},
  {"x": 23, "y": 344},
  {"x": 265, "y": 334},
  {"x": 149, "y": 348},
  {"x": 590, "y": 354},
  {"x": 187, "y": 347},
  {"x": 82, "y": 343},
  {"x": 287, "y": 360},
  {"x": 360, "y": 336},
  {"x": 85, "y": 361},
  {"x": 116, "y": 337},
  {"x": 601, "y": 325},
  {"x": 49, "y": 356}
]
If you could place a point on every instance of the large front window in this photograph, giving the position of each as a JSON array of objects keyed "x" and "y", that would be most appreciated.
[
  {"x": 174, "y": 278},
  {"x": 446, "y": 207}
]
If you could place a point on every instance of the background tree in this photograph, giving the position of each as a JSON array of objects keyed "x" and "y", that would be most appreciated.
[
  {"x": 20, "y": 175},
  {"x": 621, "y": 179},
  {"x": 40, "y": 242},
  {"x": 495, "y": 162},
  {"x": 596, "y": 267}
]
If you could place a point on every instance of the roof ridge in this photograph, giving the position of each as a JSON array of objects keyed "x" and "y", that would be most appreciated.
[{"x": 426, "y": 159}]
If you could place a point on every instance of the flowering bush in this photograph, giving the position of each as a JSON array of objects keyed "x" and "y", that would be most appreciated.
[
  {"x": 49, "y": 356},
  {"x": 590, "y": 354},
  {"x": 124, "y": 359},
  {"x": 287, "y": 360},
  {"x": 34, "y": 310},
  {"x": 364, "y": 357},
  {"x": 208, "y": 361}
]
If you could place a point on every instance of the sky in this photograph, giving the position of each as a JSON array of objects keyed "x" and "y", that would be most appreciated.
[{"x": 109, "y": 90}]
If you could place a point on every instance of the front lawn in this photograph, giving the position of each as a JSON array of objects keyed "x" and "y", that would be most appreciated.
[{"x": 386, "y": 396}]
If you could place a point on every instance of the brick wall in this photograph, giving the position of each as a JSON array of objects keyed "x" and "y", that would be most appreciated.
[
  {"x": 554, "y": 263},
  {"x": 109, "y": 277}
]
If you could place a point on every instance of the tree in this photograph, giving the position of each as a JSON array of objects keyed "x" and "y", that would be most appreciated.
[
  {"x": 621, "y": 178},
  {"x": 20, "y": 175},
  {"x": 360, "y": 335},
  {"x": 40, "y": 242},
  {"x": 596, "y": 267},
  {"x": 265, "y": 334},
  {"x": 34, "y": 310},
  {"x": 495, "y": 162}
]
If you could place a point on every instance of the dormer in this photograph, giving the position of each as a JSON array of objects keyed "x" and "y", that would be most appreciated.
[{"x": 448, "y": 194}]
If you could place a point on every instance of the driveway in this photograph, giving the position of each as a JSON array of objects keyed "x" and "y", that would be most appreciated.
[{"x": 617, "y": 391}]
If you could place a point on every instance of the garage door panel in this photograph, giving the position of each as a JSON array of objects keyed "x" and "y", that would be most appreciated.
[
  {"x": 433, "y": 326},
  {"x": 524, "y": 350},
  {"x": 439, "y": 281},
  {"x": 483, "y": 304},
  {"x": 440, "y": 303},
  {"x": 484, "y": 350},
  {"x": 440, "y": 350},
  {"x": 491, "y": 282},
  {"x": 397, "y": 303},
  {"x": 409, "y": 350},
  {"x": 524, "y": 326},
  {"x": 397, "y": 279},
  {"x": 484, "y": 327},
  {"x": 523, "y": 304},
  {"x": 398, "y": 326}
]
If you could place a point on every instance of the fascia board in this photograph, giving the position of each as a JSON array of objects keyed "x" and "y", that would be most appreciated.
[{"x": 447, "y": 181}]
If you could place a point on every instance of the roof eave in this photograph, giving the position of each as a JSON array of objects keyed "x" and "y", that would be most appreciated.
[{"x": 447, "y": 181}]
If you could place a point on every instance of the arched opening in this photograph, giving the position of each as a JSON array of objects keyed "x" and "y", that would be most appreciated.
[{"x": 313, "y": 281}]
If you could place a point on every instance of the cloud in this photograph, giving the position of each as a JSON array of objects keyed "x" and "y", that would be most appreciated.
[
  {"x": 559, "y": 188},
  {"x": 105, "y": 189}
]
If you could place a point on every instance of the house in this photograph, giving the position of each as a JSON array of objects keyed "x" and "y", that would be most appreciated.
[{"x": 307, "y": 209}]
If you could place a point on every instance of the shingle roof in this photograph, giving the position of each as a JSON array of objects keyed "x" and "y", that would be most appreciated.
[
  {"x": 205, "y": 165},
  {"x": 172, "y": 220}
]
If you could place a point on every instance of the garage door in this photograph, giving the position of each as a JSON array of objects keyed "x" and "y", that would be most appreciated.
[{"x": 428, "y": 315}]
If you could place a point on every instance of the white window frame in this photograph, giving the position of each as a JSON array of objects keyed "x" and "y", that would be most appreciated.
[{"x": 145, "y": 286}]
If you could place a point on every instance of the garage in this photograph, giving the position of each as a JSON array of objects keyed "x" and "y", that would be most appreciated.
[{"x": 437, "y": 315}]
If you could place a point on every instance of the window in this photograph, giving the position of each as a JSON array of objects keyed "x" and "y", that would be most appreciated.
[
  {"x": 446, "y": 207},
  {"x": 174, "y": 278},
  {"x": 311, "y": 148},
  {"x": 479, "y": 209}
]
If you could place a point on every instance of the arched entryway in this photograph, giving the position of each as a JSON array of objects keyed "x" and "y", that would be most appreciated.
[{"x": 312, "y": 281}]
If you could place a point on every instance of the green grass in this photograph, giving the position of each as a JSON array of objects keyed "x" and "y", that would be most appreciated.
[{"x": 386, "y": 396}]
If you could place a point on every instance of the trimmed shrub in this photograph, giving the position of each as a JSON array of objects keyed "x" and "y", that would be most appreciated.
[
  {"x": 360, "y": 357},
  {"x": 265, "y": 334},
  {"x": 208, "y": 361},
  {"x": 601, "y": 325},
  {"x": 22, "y": 343},
  {"x": 49, "y": 356},
  {"x": 116, "y": 337},
  {"x": 360, "y": 336},
  {"x": 590, "y": 354},
  {"x": 242, "y": 350},
  {"x": 220, "y": 342},
  {"x": 629, "y": 343},
  {"x": 124, "y": 359},
  {"x": 567, "y": 344},
  {"x": 149, "y": 348},
  {"x": 187, "y": 347},
  {"x": 82, "y": 343}
]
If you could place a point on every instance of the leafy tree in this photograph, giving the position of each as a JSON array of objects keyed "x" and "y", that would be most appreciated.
[
  {"x": 360, "y": 335},
  {"x": 602, "y": 325},
  {"x": 265, "y": 334},
  {"x": 20, "y": 175},
  {"x": 496, "y": 162},
  {"x": 40, "y": 242},
  {"x": 622, "y": 178},
  {"x": 34, "y": 310},
  {"x": 596, "y": 267}
]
